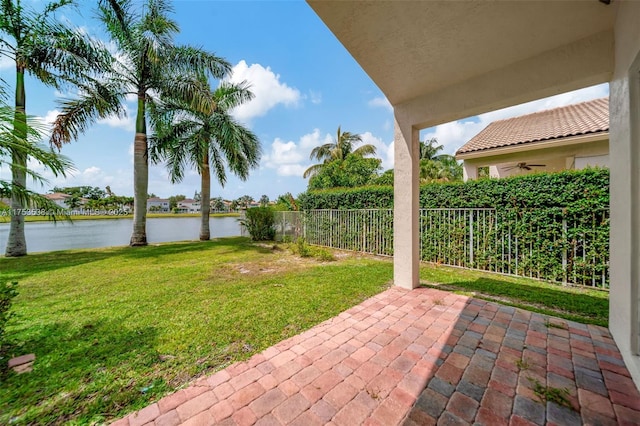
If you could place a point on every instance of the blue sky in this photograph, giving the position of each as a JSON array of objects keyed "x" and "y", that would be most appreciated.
[{"x": 305, "y": 84}]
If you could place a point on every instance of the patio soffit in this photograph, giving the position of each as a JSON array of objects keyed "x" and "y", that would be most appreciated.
[{"x": 414, "y": 49}]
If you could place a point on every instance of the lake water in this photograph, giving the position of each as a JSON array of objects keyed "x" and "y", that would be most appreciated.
[{"x": 47, "y": 236}]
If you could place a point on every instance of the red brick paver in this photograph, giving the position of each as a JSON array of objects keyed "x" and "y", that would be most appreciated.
[{"x": 418, "y": 357}]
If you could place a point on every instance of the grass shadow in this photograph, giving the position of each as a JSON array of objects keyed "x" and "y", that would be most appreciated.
[
  {"x": 569, "y": 303},
  {"x": 78, "y": 362}
]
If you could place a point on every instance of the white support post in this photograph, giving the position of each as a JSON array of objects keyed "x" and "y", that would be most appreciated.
[{"x": 406, "y": 262}]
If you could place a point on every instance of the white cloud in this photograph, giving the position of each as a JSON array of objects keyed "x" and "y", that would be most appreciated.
[
  {"x": 311, "y": 140},
  {"x": 285, "y": 152},
  {"x": 383, "y": 151},
  {"x": 292, "y": 158},
  {"x": 126, "y": 122},
  {"x": 119, "y": 180},
  {"x": 51, "y": 116},
  {"x": 6, "y": 63},
  {"x": 381, "y": 102},
  {"x": 91, "y": 172},
  {"x": 456, "y": 133},
  {"x": 267, "y": 88},
  {"x": 47, "y": 122},
  {"x": 291, "y": 170},
  {"x": 316, "y": 97}
]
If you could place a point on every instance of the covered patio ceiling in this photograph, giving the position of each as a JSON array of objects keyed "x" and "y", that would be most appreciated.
[{"x": 479, "y": 55}]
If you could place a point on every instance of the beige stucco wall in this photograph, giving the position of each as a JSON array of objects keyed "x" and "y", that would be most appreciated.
[
  {"x": 624, "y": 107},
  {"x": 554, "y": 159}
]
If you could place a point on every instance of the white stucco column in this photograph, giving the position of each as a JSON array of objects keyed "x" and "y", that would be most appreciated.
[
  {"x": 624, "y": 133},
  {"x": 406, "y": 191},
  {"x": 469, "y": 171}
]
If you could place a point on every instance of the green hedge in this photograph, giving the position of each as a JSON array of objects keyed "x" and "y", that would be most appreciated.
[{"x": 575, "y": 189}]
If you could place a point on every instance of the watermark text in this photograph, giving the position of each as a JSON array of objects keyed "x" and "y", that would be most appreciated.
[{"x": 63, "y": 212}]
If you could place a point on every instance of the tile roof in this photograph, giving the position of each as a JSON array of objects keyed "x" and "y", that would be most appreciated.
[
  {"x": 572, "y": 120},
  {"x": 57, "y": 196}
]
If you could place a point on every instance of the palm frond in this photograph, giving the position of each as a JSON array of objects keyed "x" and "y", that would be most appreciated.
[
  {"x": 215, "y": 158},
  {"x": 322, "y": 152},
  {"x": 190, "y": 58},
  {"x": 312, "y": 170},
  {"x": 99, "y": 100},
  {"x": 118, "y": 20},
  {"x": 365, "y": 150},
  {"x": 230, "y": 95},
  {"x": 54, "y": 6},
  {"x": 189, "y": 90},
  {"x": 56, "y": 54}
]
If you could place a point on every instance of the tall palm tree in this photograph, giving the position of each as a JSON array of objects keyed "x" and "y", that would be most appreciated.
[
  {"x": 52, "y": 53},
  {"x": 187, "y": 136},
  {"x": 342, "y": 146},
  {"x": 148, "y": 64}
]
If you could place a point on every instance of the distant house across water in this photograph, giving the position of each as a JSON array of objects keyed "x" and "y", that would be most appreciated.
[{"x": 160, "y": 205}]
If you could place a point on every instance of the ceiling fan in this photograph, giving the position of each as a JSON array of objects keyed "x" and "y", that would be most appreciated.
[{"x": 523, "y": 166}]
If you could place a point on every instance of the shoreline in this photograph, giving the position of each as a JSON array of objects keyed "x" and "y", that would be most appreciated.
[{"x": 6, "y": 219}]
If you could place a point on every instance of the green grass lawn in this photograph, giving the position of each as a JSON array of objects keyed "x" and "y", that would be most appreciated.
[
  {"x": 575, "y": 303},
  {"x": 115, "y": 329}
]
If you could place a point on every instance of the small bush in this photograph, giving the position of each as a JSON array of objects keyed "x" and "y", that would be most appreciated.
[
  {"x": 7, "y": 293},
  {"x": 323, "y": 255},
  {"x": 303, "y": 248},
  {"x": 260, "y": 223}
]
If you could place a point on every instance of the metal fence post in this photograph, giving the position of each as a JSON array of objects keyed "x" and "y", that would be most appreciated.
[
  {"x": 564, "y": 248},
  {"x": 471, "y": 238}
]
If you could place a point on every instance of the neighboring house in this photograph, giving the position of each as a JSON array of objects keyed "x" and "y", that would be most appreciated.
[
  {"x": 571, "y": 137},
  {"x": 156, "y": 204},
  {"x": 62, "y": 200},
  {"x": 189, "y": 206},
  {"x": 59, "y": 198}
]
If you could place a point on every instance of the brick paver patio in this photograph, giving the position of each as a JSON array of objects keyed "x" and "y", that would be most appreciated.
[{"x": 418, "y": 357}]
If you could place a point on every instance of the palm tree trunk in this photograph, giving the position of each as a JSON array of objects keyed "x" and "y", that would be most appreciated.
[
  {"x": 205, "y": 198},
  {"x": 17, "y": 243},
  {"x": 140, "y": 178}
]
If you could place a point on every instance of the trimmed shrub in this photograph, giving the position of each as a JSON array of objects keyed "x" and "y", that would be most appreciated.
[
  {"x": 573, "y": 189},
  {"x": 260, "y": 223}
]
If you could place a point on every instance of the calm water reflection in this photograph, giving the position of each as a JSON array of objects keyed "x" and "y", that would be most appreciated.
[{"x": 47, "y": 236}]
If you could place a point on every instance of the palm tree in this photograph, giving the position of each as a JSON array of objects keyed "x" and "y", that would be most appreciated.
[
  {"x": 217, "y": 204},
  {"x": 10, "y": 144},
  {"x": 436, "y": 167},
  {"x": 264, "y": 201},
  {"x": 148, "y": 63},
  {"x": 185, "y": 135},
  {"x": 429, "y": 149},
  {"x": 245, "y": 201},
  {"x": 337, "y": 150},
  {"x": 52, "y": 53}
]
